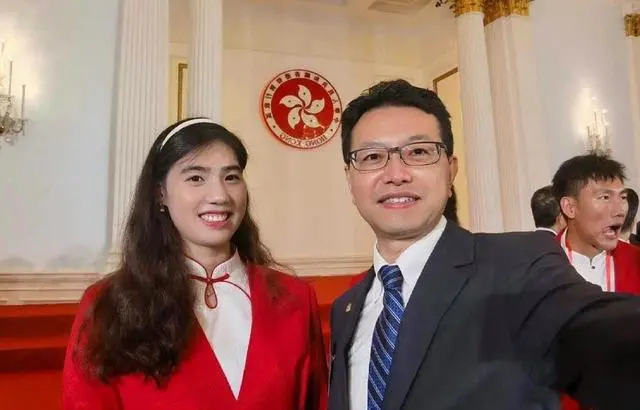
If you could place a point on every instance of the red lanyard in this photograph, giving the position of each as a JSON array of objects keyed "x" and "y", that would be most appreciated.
[{"x": 608, "y": 265}]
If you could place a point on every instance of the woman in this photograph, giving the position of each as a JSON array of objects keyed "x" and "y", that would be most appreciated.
[{"x": 195, "y": 318}]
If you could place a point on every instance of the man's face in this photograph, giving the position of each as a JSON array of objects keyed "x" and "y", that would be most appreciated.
[
  {"x": 400, "y": 201},
  {"x": 597, "y": 213}
]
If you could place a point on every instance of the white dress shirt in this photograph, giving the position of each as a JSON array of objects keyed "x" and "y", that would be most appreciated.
[
  {"x": 227, "y": 327},
  {"x": 411, "y": 262},
  {"x": 593, "y": 270}
]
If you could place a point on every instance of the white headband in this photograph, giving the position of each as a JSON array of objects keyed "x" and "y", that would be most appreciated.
[{"x": 185, "y": 125}]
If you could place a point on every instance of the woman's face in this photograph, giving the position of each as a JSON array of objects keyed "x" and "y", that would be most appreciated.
[{"x": 206, "y": 197}]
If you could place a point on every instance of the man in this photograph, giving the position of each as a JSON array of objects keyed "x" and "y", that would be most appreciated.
[
  {"x": 546, "y": 211},
  {"x": 626, "y": 233},
  {"x": 446, "y": 319},
  {"x": 593, "y": 199}
]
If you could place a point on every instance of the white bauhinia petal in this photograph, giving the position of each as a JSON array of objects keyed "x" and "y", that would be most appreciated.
[
  {"x": 316, "y": 106},
  {"x": 294, "y": 117},
  {"x": 310, "y": 120},
  {"x": 304, "y": 94},
  {"x": 290, "y": 101}
]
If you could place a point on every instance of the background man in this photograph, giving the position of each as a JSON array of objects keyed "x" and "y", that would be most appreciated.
[{"x": 546, "y": 211}]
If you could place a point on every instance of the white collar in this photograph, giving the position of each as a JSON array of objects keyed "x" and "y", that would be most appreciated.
[
  {"x": 233, "y": 266},
  {"x": 563, "y": 243},
  {"x": 542, "y": 228},
  {"x": 412, "y": 260}
]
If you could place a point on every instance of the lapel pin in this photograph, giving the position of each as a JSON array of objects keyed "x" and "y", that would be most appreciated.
[{"x": 348, "y": 308}]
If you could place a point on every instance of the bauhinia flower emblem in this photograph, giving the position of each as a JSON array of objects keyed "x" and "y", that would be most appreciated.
[{"x": 303, "y": 108}]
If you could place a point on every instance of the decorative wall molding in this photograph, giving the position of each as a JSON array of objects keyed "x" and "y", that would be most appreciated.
[
  {"x": 443, "y": 77},
  {"x": 492, "y": 9},
  {"x": 328, "y": 266},
  {"x": 24, "y": 288},
  {"x": 632, "y": 25},
  {"x": 496, "y": 9}
]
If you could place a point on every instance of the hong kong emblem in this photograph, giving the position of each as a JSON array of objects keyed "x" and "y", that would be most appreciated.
[{"x": 301, "y": 108}]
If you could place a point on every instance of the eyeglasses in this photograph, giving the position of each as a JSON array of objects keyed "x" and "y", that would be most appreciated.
[{"x": 413, "y": 154}]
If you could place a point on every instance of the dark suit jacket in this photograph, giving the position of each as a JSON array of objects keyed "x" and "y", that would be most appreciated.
[
  {"x": 546, "y": 231},
  {"x": 500, "y": 322}
]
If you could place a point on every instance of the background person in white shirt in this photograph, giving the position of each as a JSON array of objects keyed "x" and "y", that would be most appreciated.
[{"x": 593, "y": 199}]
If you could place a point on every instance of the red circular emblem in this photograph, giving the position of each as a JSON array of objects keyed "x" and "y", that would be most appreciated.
[{"x": 301, "y": 108}]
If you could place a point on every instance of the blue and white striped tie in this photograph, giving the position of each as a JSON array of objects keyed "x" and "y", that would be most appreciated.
[{"x": 385, "y": 335}]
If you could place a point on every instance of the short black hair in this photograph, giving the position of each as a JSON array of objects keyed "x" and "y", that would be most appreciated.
[
  {"x": 544, "y": 207},
  {"x": 395, "y": 93},
  {"x": 451, "y": 208},
  {"x": 632, "y": 200},
  {"x": 576, "y": 172}
]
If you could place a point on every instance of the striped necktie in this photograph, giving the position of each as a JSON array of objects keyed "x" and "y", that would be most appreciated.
[{"x": 385, "y": 335}]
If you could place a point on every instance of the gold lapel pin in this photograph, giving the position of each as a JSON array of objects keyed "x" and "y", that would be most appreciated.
[{"x": 348, "y": 308}]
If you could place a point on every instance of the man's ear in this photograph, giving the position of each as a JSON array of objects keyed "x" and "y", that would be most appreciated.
[{"x": 568, "y": 206}]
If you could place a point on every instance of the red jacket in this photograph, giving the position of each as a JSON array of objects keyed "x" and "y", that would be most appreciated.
[
  {"x": 285, "y": 369},
  {"x": 626, "y": 267}
]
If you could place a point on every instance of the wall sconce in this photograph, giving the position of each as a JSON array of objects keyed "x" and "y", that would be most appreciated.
[
  {"x": 598, "y": 133},
  {"x": 11, "y": 126}
]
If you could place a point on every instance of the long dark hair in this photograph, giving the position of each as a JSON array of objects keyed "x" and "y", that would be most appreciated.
[{"x": 142, "y": 319}]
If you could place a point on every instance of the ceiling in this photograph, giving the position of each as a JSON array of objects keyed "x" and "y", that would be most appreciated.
[{"x": 407, "y": 14}]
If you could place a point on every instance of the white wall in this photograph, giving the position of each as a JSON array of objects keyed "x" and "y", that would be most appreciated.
[
  {"x": 300, "y": 197},
  {"x": 581, "y": 51},
  {"x": 54, "y": 181},
  {"x": 54, "y": 184}
]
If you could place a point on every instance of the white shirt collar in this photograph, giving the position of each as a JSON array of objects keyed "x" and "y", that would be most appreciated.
[
  {"x": 412, "y": 260},
  {"x": 542, "y": 228},
  {"x": 594, "y": 269},
  {"x": 233, "y": 266},
  {"x": 563, "y": 243}
]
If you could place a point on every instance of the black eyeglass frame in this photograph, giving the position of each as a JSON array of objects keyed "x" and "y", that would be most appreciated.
[{"x": 399, "y": 149}]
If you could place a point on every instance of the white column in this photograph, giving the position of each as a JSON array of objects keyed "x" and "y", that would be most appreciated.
[
  {"x": 204, "y": 93},
  {"x": 141, "y": 105},
  {"x": 485, "y": 208},
  {"x": 523, "y": 156},
  {"x": 632, "y": 28}
]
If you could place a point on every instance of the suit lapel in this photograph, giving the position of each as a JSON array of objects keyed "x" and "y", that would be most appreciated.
[
  {"x": 350, "y": 310},
  {"x": 347, "y": 312},
  {"x": 443, "y": 277}
]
